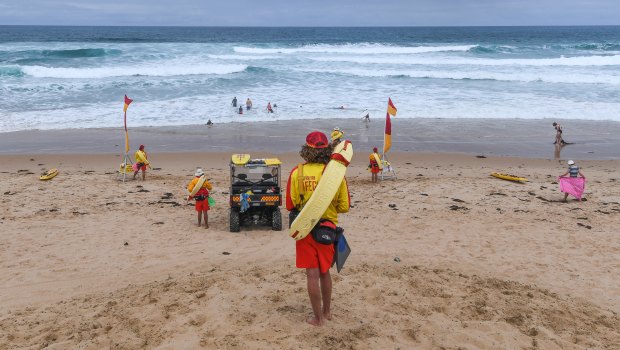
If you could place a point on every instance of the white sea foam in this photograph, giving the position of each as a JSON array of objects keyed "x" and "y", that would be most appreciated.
[
  {"x": 549, "y": 77},
  {"x": 241, "y": 57},
  {"x": 153, "y": 70},
  {"x": 353, "y": 49},
  {"x": 598, "y": 60}
]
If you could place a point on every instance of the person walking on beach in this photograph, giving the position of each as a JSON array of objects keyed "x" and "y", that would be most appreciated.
[
  {"x": 374, "y": 165},
  {"x": 574, "y": 184},
  {"x": 269, "y": 109},
  {"x": 337, "y": 136},
  {"x": 315, "y": 257},
  {"x": 201, "y": 197},
  {"x": 248, "y": 104},
  {"x": 141, "y": 163},
  {"x": 366, "y": 117},
  {"x": 558, "y": 134}
]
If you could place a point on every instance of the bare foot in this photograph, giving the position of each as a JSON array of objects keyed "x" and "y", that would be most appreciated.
[
  {"x": 206, "y": 226},
  {"x": 327, "y": 316},
  {"x": 315, "y": 321}
]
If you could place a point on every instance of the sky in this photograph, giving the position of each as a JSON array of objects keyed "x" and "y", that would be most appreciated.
[{"x": 310, "y": 12}]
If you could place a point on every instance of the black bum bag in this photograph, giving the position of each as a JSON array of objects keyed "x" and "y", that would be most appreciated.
[{"x": 325, "y": 232}]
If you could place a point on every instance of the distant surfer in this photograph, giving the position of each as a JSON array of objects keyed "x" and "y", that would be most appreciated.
[
  {"x": 234, "y": 101},
  {"x": 248, "y": 104},
  {"x": 275, "y": 105},
  {"x": 269, "y": 108},
  {"x": 201, "y": 196},
  {"x": 558, "y": 134},
  {"x": 240, "y": 109},
  {"x": 375, "y": 166},
  {"x": 141, "y": 163},
  {"x": 337, "y": 136},
  {"x": 315, "y": 257},
  {"x": 573, "y": 184},
  {"x": 209, "y": 123}
]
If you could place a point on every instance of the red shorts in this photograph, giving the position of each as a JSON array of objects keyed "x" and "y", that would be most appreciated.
[
  {"x": 374, "y": 168},
  {"x": 202, "y": 205},
  {"x": 311, "y": 255}
]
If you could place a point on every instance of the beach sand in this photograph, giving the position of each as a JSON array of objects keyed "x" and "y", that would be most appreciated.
[{"x": 445, "y": 257}]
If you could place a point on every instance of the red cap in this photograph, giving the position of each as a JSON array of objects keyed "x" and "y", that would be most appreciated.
[
  {"x": 375, "y": 149},
  {"x": 317, "y": 139},
  {"x": 141, "y": 147}
]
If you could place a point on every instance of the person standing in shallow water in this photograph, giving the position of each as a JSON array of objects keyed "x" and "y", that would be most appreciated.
[
  {"x": 558, "y": 134},
  {"x": 234, "y": 101},
  {"x": 248, "y": 104},
  {"x": 315, "y": 257}
]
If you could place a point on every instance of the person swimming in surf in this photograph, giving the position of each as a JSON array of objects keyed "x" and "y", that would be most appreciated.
[
  {"x": 240, "y": 109},
  {"x": 315, "y": 257},
  {"x": 269, "y": 109}
]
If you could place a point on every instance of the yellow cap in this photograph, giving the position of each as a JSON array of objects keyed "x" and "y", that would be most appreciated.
[{"x": 336, "y": 134}]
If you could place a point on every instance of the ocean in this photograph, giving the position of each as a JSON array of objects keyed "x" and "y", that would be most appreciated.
[{"x": 55, "y": 77}]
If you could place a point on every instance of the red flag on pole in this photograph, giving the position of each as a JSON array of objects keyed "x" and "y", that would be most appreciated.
[
  {"x": 391, "y": 108},
  {"x": 387, "y": 139},
  {"x": 127, "y": 103}
]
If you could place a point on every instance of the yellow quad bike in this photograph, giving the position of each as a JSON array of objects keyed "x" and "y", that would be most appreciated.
[{"x": 255, "y": 192}]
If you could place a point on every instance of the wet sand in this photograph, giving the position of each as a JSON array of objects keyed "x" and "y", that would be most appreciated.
[{"x": 514, "y": 137}]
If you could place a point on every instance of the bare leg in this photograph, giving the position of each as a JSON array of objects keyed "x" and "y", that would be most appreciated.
[
  {"x": 143, "y": 174},
  {"x": 326, "y": 293},
  {"x": 199, "y": 218},
  {"x": 206, "y": 215},
  {"x": 565, "y": 197},
  {"x": 314, "y": 291},
  {"x": 135, "y": 174}
]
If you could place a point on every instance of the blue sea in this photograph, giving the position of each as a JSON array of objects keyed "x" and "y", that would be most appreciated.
[{"x": 75, "y": 77}]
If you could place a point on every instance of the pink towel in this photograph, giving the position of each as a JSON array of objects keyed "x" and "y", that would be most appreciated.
[{"x": 573, "y": 186}]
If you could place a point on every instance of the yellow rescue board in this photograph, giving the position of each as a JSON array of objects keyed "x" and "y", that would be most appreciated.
[
  {"x": 48, "y": 175},
  {"x": 324, "y": 192},
  {"x": 128, "y": 168},
  {"x": 272, "y": 161},
  {"x": 240, "y": 159},
  {"x": 509, "y": 177},
  {"x": 198, "y": 186}
]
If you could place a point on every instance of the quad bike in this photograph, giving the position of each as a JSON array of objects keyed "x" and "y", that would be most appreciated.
[{"x": 255, "y": 193}]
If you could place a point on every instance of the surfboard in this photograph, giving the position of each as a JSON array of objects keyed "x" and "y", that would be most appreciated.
[
  {"x": 378, "y": 160},
  {"x": 48, "y": 175},
  {"x": 324, "y": 192},
  {"x": 198, "y": 186},
  {"x": 240, "y": 159},
  {"x": 509, "y": 177}
]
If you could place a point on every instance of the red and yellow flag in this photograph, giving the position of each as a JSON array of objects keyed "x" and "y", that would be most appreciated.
[
  {"x": 127, "y": 103},
  {"x": 391, "y": 108},
  {"x": 387, "y": 139}
]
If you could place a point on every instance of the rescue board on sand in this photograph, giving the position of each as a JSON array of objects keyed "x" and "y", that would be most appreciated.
[
  {"x": 509, "y": 177},
  {"x": 48, "y": 175},
  {"x": 324, "y": 192}
]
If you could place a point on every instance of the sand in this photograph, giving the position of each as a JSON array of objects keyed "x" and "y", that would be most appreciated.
[{"x": 445, "y": 257}]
